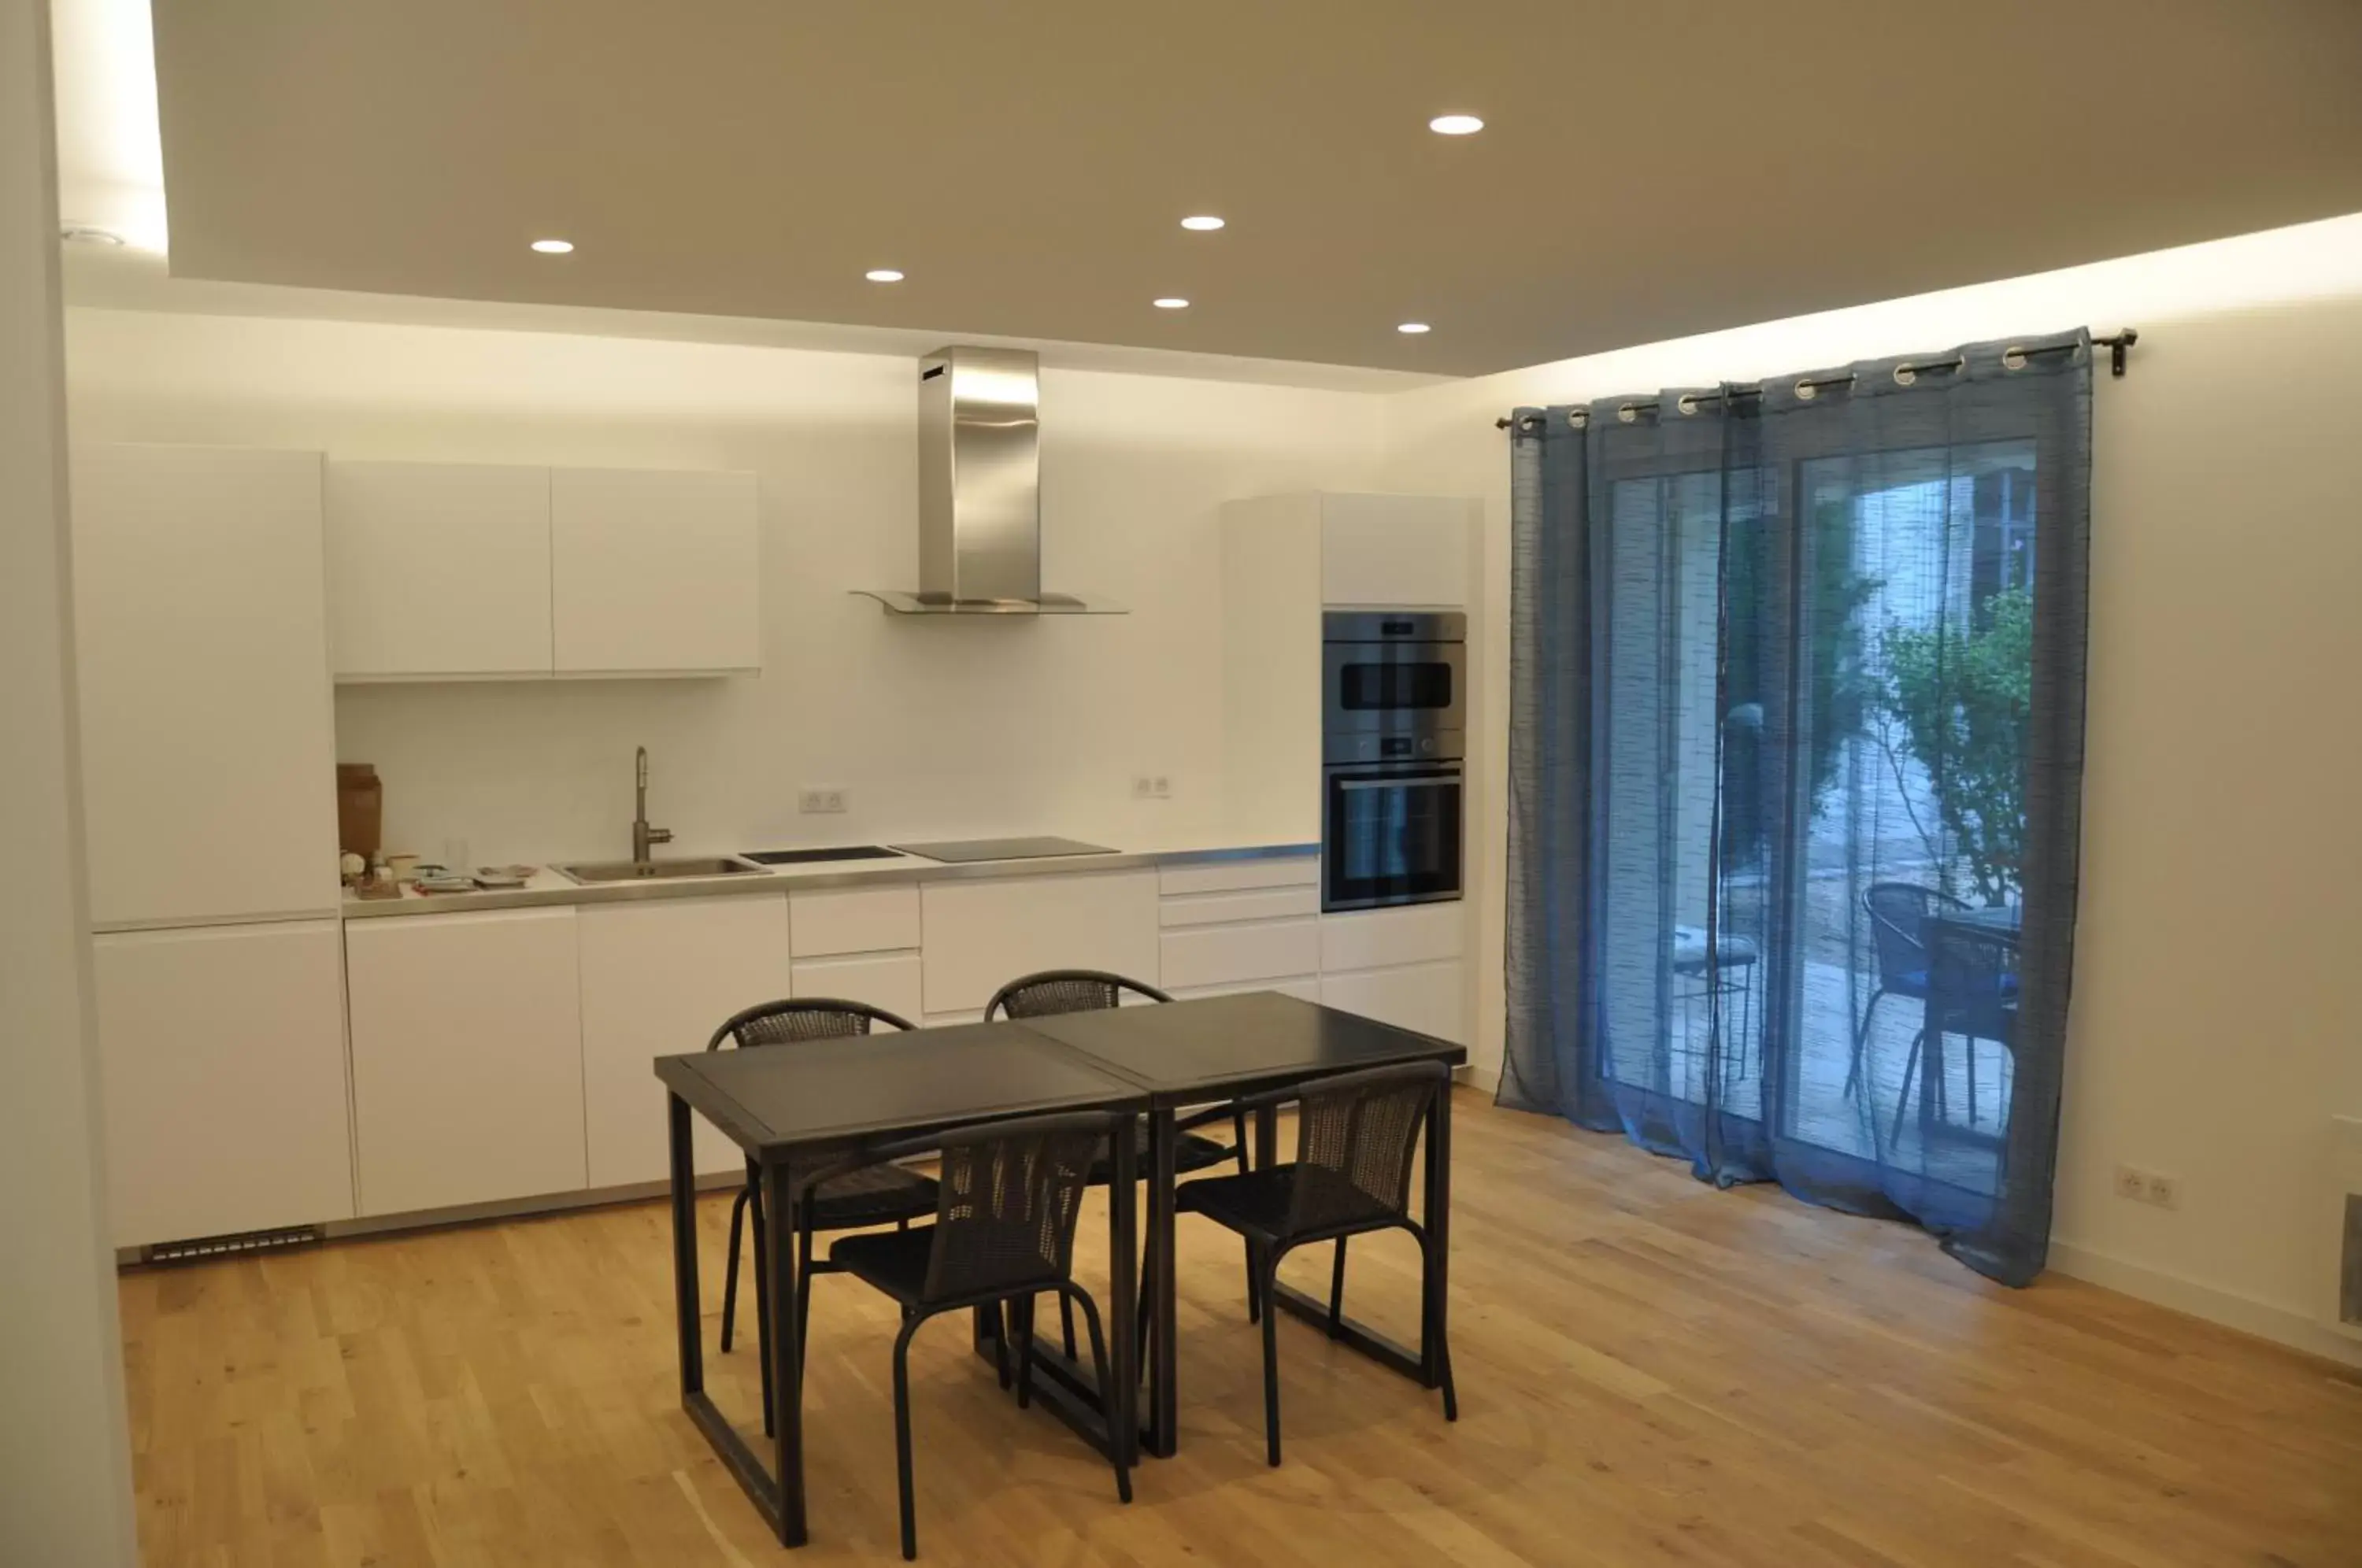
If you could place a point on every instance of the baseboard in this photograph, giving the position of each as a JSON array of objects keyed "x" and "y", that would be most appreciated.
[
  {"x": 1479, "y": 1075},
  {"x": 2249, "y": 1316}
]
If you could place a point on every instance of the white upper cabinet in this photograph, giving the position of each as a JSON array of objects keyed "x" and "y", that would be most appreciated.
[
  {"x": 1395, "y": 549},
  {"x": 653, "y": 572},
  {"x": 208, "y": 737},
  {"x": 438, "y": 571}
]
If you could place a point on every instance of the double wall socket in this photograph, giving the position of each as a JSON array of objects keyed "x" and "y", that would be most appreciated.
[
  {"x": 1152, "y": 787},
  {"x": 811, "y": 800},
  {"x": 2157, "y": 1191}
]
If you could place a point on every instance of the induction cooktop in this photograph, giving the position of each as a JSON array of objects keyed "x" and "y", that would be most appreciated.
[{"x": 956, "y": 852}]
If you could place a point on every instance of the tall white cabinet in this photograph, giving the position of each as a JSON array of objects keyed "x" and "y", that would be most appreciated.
[{"x": 208, "y": 735}]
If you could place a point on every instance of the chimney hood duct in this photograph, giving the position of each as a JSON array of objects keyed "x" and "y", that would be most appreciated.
[{"x": 980, "y": 491}]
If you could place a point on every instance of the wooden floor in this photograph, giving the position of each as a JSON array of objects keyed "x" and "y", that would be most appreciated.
[{"x": 1650, "y": 1370}]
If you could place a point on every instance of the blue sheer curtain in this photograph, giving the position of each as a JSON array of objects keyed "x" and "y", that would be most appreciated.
[{"x": 1795, "y": 761}]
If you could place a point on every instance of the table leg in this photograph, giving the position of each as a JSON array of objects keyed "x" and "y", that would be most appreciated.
[
  {"x": 686, "y": 1306},
  {"x": 1164, "y": 1394},
  {"x": 787, "y": 1359},
  {"x": 1437, "y": 1207},
  {"x": 1122, "y": 1399}
]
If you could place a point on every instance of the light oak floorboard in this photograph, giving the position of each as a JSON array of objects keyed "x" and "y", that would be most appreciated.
[{"x": 1650, "y": 1372}]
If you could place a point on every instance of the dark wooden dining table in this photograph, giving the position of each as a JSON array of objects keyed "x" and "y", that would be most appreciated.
[{"x": 798, "y": 1107}]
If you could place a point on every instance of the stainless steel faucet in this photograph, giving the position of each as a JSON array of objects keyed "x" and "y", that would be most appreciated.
[{"x": 643, "y": 835}]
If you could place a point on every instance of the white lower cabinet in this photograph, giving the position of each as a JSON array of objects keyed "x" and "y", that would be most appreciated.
[
  {"x": 657, "y": 978},
  {"x": 1425, "y": 997},
  {"x": 467, "y": 1050},
  {"x": 222, "y": 1057},
  {"x": 984, "y": 932},
  {"x": 895, "y": 981}
]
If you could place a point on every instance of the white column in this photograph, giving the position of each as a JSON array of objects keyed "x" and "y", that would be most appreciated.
[{"x": 65, "y": 1469}]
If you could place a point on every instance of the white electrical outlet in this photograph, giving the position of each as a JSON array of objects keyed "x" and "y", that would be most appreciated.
[
  {"x": 1152, "y": 787},
  {"x": 812, "y": 800},
  {"x": 1160, "y": 787},
  {"x": 2152, "y": 1187}
]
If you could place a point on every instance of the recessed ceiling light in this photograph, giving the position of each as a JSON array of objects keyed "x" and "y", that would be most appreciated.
[
  {"x": 553, "y": 246},
  {"x": 1413, "y": 328},
  {"x": 883, "y": 275},
  {"x": 1455, "y": 125},
  {"x": 1170, "y": 303},
  {"x": 1204, "y": 223}
]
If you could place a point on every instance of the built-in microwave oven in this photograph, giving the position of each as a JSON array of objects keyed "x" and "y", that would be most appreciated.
[{"x": 1391, "y": 720}]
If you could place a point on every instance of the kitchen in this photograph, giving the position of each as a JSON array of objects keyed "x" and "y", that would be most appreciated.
[{"x": 499, "y": 630}]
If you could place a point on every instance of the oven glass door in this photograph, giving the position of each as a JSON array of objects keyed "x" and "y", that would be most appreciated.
[
  {"x": 1390, "y": 835},
  {"x": 1393, "y": 688}
]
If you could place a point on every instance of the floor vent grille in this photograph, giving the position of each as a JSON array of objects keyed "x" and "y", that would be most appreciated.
[{"x": 199, "y": 1249}]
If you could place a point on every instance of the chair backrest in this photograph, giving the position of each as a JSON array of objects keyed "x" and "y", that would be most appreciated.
[
  {"x": 1898, "y": 926},
  {"x": 1064, "y": 990},
  {"x": 1355, "y": 1137},
  {"x": 806, "y": 1018},
  {"x": 1009, "y": 1193},
  {"x": 1972, "y": 979}
]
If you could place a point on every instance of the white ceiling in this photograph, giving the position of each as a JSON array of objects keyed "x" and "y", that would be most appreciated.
[{"x": 1651, "y": 168}]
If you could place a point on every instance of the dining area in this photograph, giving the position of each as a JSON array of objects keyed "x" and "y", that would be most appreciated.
[{"x": 979, "y": 1172}]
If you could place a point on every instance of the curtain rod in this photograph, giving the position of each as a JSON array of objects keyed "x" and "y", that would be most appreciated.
[{"x": 2116, "y": 345}]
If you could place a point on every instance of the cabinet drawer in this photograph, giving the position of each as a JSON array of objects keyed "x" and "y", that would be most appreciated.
[
  {"x": 891, "y": 980},
  {"x": 1231, "y": 875},
  {"x": 1304, "y": 987},
  {"x": 1424, "y": 997},
  {"x": 1249, "y": 903},
  {"x": 1220, "y": 955},
  {"x": 1375, "y": 938},
  {"x": 853, "y": 919}
]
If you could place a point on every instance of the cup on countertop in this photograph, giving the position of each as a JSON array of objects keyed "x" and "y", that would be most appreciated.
[{"x": 402, "y": 866}]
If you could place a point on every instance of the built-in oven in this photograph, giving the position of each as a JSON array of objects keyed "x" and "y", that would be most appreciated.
[{"x": 1391, "y": 747}]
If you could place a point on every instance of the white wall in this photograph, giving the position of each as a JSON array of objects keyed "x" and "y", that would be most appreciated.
[
  {"x": 937, "y": 728},
  {"x": 2214, "y": 1024},
  {"x": 65, "y": 1471}
]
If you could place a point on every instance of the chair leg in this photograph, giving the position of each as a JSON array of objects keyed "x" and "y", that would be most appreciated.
[
  {"x": 1147, "y": 1293},
  {"x": 1337, "y": 1291},
  {"x": 1239, "y": 1131},
  {"x": 730, "y": 1270},
  {"x": 1070, "y": 1291},
  {"x": 1022, "y": 1310},
  {"x": 903, "y": 1435},
  {"x": 1910, "y": 1067},
  {"x": 1067, "y": 1325},
  {"x": 1267, "y": 1275},
  {"x": 1861, "y": 1042},
  {"x": 998, "y": 1323},
  {"x": 1969, "y": 1054}
]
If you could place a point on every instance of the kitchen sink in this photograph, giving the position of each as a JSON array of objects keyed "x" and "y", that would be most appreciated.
[{"x": 658, "y": 870}]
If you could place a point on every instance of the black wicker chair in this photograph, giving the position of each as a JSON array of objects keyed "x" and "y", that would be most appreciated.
[
  {"x": 1003, "y": 1232},
  {"x": 1898, "y": 932},
  {"x": 873, "y": 1196},
  {"x": 1355, "y": 1138},
  {"x": 1971, "y": 993},
  {"x": 1055, "y": 991}
]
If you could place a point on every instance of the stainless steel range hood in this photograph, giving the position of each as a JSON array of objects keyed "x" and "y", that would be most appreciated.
[{"x": 980, "y": 491}]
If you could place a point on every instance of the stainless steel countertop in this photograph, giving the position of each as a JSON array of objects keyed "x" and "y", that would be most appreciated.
[{"x": 547, "y": 889}]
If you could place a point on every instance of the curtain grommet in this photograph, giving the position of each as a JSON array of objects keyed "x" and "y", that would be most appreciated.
[
  {"x": 1578, "y": 419},
  {"x": 2012, "y": 357},
  {"x": 1687, "y": 404},
  {"x": 1905, "y": 375},
  {"x": 1626, "y": 414},
  {"x": 1806, "y": 391}
]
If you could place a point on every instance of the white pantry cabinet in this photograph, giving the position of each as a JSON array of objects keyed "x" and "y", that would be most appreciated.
[
  {"x": 1425, "y": 997},
  {"x": 208, "y": 736},
  {"x": 982, "y": 932},
  {"x": 653, "y": 571},
  {"x": 438, "y": 571},
  {"x": 222, "y": 1058},
  {"x": 467, "y": 1050},
  {"x": 657, "y": 978}
]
